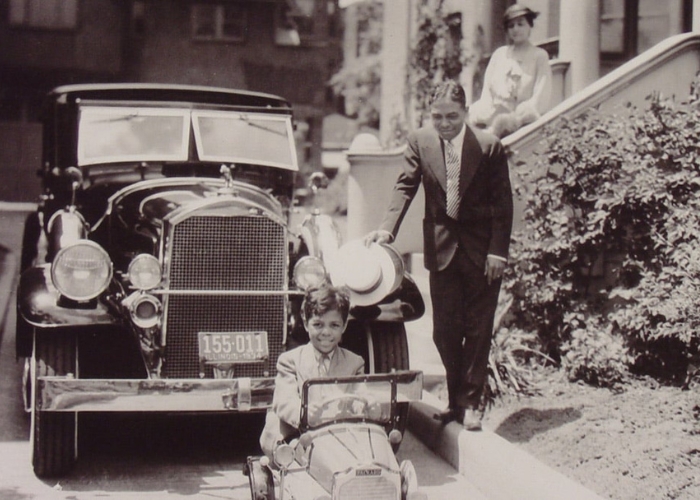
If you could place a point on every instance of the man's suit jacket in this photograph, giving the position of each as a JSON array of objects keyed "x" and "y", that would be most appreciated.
[
  {"x": 485, "y": 216},
  {"x": 293, "y": 369}
]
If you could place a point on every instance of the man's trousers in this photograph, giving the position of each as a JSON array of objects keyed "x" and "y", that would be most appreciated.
[{"x": 464, "y": 305}]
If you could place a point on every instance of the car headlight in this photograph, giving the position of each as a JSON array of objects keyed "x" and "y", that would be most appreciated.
[
  {"x": 81, "y": 271},
  {"x": 309, "y": 272},
  {"x": 283, "y": 455},
  {"x": 145, "y": 272},
  {"x": 145, "y": 309}
]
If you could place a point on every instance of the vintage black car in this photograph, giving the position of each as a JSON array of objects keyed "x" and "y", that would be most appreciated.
[{"x": 161, "y": 272}]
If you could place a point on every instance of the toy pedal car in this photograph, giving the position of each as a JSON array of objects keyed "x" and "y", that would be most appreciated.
[{"x": 346, "y": 447}]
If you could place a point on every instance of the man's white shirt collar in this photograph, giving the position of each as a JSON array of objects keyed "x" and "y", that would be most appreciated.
[
  {"x": 319, "y": 355},
  {"x": 458, "y": 140}
]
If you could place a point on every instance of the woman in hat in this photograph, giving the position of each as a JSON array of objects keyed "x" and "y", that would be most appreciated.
[{"x": 518, "y": 79}]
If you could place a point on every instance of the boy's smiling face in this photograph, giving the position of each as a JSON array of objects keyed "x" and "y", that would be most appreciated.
[{"x": 326, "y": 330}]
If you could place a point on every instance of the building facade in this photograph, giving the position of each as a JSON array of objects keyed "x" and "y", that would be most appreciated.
[
  {"x": 586, "y": 38},
  {"x": 285, "y": 47}
]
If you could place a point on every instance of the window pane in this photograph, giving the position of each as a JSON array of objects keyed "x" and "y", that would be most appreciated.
[
  {"x": 653, "y": 23},
  {"x": 44, "y": 13},
  {"x": 296, "y": 21},
  {"x": 234, "y": 23},
  {"x": 204, "y": 21},
  {"x": 18, "y": 12},
  {"x": 67, "y": 13},
  {"x": 304, "y": 16},
  {"x": 612, "y": 26}
]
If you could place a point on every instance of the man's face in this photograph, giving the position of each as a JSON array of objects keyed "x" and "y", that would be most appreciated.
[
  {"x": 448, "y": 118},
  {"x": 325, "y": 331}
]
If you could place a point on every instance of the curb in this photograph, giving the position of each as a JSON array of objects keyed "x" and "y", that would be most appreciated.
[{"x": 497, "y": 468}]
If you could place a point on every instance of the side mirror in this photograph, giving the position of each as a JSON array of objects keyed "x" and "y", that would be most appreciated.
[
  {"x": 318, "y": 180},
  {"x": 75, "y": 177}
]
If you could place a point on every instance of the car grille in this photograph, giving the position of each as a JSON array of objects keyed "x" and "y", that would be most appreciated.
[
  {"x": 224, "y": 253},
  {"x": 376, "y": 488}
]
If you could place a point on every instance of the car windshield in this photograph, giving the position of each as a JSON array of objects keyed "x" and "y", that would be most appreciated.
[
  {"x": 121, "y": 134},
  {"x": 111, "y": 134},
  {"x": 244, "y": 138},
  {"x": 366, "y": 397}
]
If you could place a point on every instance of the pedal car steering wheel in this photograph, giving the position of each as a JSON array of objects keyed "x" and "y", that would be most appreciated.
[{"x": 345, "y": 408}]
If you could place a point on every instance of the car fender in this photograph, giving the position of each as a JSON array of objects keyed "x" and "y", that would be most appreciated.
[{"x": 38, "y": 301}]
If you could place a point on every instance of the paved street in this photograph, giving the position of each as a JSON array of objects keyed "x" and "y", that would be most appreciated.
[{"x": 128, "y": 456}]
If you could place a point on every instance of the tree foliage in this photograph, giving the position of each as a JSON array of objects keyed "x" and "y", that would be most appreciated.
[
  {"x": 607, "y": 264},
  {"x": 437, "y": 52},
  {"x": 359, "y": 79}
]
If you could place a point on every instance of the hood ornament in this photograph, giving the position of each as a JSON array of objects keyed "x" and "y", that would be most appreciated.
[{"x": 225, "y": 172}]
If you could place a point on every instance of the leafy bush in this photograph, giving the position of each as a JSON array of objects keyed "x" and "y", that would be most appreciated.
[
  {"x": 598, "y": 357},
  {"x": 607, "y": 264}
]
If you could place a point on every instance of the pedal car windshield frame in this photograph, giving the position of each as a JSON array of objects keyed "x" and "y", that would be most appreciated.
[{"x": 361, "y": 398}]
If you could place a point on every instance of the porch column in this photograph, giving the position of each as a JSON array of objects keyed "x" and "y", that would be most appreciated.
[
  {"x": 477, "y": 32},
  {"x": 395, "y": 52},
  {"x": 696, "y": 15},
  {"x": 579, "y": 27}
]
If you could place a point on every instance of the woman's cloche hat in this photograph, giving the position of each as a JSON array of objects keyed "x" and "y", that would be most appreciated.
[
  {"x": 518, "y": 10},
  {"x": 369, "y": 272}
]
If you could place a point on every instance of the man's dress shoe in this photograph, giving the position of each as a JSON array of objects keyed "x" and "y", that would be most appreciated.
[
  {"x": 446, "y": 416},
  {"x": 472, "y": 419}
]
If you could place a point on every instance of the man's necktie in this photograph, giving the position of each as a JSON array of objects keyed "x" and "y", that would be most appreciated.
[
  {"x": 453, "y": 168},
  {"x": 324, "y": 363}
]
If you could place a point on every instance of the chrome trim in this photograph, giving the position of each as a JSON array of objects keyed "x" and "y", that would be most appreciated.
[
  {"x": 228, "y": 292},
  {"x": 139, "y": 186},
  {"x": 165, "y": 395},
  {"x": 205, "y": 205},
  {"x": 245, "y": 394},
  {"x": 137, "y": 298}
]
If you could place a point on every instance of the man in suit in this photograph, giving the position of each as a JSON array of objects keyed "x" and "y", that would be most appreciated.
[
  {"x": 466, "y": 235},
  {"x": 325, "y": 315}
]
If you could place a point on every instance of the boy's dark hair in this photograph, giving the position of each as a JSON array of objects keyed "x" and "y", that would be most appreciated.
[
  {"x": 450, "y": 90},
  {"x": 318, "y": 301}
]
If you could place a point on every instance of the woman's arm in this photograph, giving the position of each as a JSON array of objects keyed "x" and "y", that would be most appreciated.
[
  {"x": 541, "y": 99},
  {"x": 482, "y": 111}
]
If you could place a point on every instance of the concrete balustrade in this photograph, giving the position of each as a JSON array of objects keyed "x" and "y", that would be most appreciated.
[{"x": 373, "y": 172}]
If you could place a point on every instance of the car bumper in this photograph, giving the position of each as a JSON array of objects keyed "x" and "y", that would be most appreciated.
[{"x": 171, "y": 395}]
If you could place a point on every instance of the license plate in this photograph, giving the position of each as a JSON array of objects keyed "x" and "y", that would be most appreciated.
[{"x": 233, "y": 347}]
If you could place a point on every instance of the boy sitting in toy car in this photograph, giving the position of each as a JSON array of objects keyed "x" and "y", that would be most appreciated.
[{"x": 325, "y": 313}]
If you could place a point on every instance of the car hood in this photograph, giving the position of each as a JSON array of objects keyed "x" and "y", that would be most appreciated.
[{"x": 153, "y": 202}]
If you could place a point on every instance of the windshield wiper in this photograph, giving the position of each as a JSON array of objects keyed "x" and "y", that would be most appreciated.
[{"x": 262, "y": 127}]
